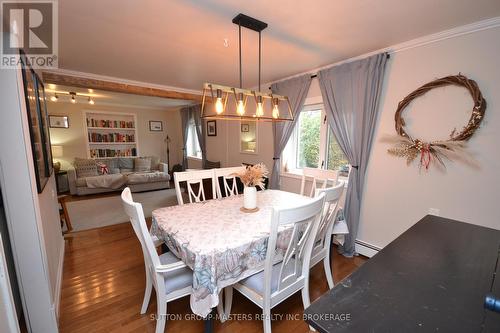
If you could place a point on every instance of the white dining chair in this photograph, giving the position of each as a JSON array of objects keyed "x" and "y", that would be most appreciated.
[
  {"x": 228, "y": 177},
  {"x": 320, "y": 177},
  {"x": 194, "y": 178},
  {"x": 322, "y": 242},
  {"x": 280, "y": 280},
  {"x": 170, "y": 277}
]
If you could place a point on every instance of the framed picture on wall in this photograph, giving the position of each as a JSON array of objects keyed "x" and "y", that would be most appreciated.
[
  {"x": 35, "y": 124},
  {"x": 59, "y": 121},
  {"x": 156, "y": 126},
  {"x": 211, "y": 128},
  {"x": 44, "y": 117}
]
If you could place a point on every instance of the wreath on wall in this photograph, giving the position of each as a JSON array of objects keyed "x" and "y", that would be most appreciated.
[{"x": 437, "y": 152}]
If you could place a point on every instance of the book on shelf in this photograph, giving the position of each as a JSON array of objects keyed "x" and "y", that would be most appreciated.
[
  {"x": 91, "y": 122},
  {"x": 110, "y": 137}
]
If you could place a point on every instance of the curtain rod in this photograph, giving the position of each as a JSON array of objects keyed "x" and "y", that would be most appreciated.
[{"x": 316, "y": 75}]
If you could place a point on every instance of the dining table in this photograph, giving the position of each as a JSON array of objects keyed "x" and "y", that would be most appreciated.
[{"x": 221, "y": 243}]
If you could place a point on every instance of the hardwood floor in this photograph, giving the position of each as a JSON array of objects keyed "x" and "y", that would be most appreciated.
[{"x": 103, "y": 287}]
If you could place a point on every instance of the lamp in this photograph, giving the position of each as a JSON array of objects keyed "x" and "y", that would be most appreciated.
[
  {"x": 240, "y": 95},
  {"x": 57, "y": 152}
]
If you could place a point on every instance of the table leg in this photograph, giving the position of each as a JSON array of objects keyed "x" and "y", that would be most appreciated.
[
  {"x": 65, "y": 213},
  {"x": 209, "y": 322}
]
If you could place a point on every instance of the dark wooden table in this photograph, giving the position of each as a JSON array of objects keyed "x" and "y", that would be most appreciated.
[{"x": 433, "y": 278}]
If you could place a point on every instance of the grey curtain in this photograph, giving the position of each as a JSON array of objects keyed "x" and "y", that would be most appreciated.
[
  {"x": 296, "y": 89},
  {"x": 200, "y": 132},
  {"x": 185, "y": 127},
  {"x": 351, "y": 94}
]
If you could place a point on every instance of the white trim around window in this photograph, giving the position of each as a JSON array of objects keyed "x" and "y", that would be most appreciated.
[{"x": 290, "y": 166}]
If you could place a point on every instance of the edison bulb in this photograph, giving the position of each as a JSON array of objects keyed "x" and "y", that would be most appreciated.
[
  {"x": 276, "y": 111},
  {"x": 219, "y": 107},
  {"x": 240, "y": 109},
  {"x": 260, "y": 110}
]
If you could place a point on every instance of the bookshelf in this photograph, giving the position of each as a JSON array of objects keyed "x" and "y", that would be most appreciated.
[{"x": 110, "y": 134}]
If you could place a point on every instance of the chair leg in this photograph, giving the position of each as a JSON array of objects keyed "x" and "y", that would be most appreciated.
[
  {"x": 161, "y": 315},
  {"x": 228, "y": 301},
  {"x": 305, "y": 294},
  {"x": 266, "y": 311},
  {"x": 147, "y": 293},
  {"x": 328, "y": 271},
  {"x": 306, "y": 300},
  {"x": 220, "y": 308}
]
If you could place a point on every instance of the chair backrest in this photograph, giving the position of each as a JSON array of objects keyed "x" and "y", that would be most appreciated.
[
  {"x": 136, "y": 215},
  {"x": 301, "y": 223},
  {"x": 194, "y": 178},
  {"x": 228, "y": 180},
  {"x": 332, "y": 198},
  {"x": 318, "y": 176}
]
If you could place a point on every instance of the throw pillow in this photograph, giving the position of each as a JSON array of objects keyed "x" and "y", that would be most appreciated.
[
  {"x": 126, "y": 163},
  {"x": 111, "y": 163},
  {"x": 155, "y": 161},
  {"x": 142, "y": 164},
  {"x": 102, "y": 168},
  {"x": 114, "y": 171},
  {"x": 85, "y": 168}
]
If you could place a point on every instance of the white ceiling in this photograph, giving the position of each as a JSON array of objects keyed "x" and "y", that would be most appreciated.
[
  {"x": 102, "y": 97},
  {"x": 181, "y": 42}
]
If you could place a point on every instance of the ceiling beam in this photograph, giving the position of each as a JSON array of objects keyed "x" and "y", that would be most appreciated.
[{"x": 81, "y": 82}]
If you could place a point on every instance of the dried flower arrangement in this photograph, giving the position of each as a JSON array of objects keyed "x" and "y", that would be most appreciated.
[
  {"x": 437, "y": 152},
  {"x": 254, "y": 175}
]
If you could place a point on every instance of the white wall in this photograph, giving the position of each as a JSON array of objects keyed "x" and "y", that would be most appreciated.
[
  {"x": 150, "y": 143},
  {"x": 36, "y": 243},
  {"x": 225, "y": 147},
  {"x": 52, "y": 236},
  {"x": 397, "y": 196}
]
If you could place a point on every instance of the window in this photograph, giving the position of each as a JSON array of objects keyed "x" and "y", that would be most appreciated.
[
  {"x": 313, "y": 144},
  {"x": 192, "y": 144}
]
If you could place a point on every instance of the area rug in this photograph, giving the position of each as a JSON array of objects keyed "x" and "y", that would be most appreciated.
[{"x": 99, "y": 212}]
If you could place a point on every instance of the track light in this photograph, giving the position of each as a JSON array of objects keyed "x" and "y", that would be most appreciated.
[
  {"x": 54, "y": 98},
  {"x": 91, "y": 101}
]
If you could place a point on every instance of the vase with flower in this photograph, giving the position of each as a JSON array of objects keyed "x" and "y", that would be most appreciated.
[{"x": 252, "y": 177}]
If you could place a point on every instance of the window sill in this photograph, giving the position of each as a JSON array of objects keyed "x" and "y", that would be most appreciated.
[
  {"x": 297, "y": 174},
  {"x": 194, "y": 158}
]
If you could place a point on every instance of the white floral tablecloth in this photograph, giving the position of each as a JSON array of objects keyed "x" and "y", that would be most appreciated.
[{"x": 221, "y": 244}]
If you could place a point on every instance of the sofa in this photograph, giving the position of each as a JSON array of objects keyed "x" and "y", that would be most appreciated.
[{"x": 91, "y": 176}]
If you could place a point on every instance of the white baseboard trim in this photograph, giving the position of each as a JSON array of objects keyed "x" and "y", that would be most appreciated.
[
  {"x": 366, "y": 249},
  {"x": 57, "y": 296}
]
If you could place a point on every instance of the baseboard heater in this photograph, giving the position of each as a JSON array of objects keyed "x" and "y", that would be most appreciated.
[{"x": 366, "y": 249}]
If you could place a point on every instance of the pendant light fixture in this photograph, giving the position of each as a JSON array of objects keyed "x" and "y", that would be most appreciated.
[{"x": 263, "y": 106}]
